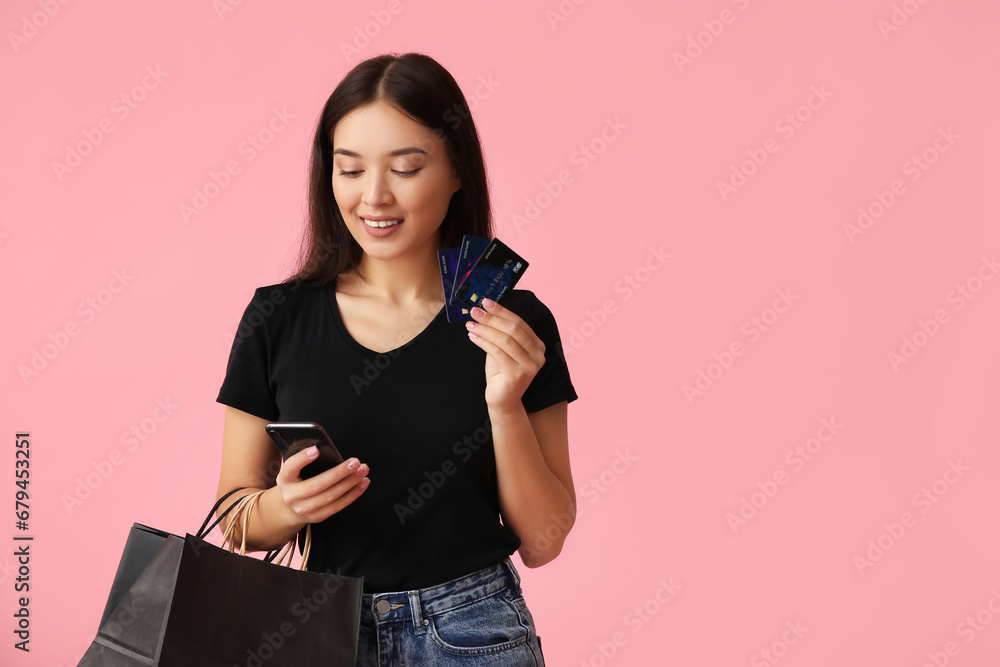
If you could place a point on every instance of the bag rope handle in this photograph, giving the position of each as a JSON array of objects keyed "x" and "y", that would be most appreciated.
[
  {"x": 202, "y": 532},
  {"x": 206, "y": 529},
  {"x": 244, "y": 508}
]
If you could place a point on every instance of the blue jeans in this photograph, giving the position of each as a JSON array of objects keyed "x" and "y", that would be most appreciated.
[{"x": 478, "y": 619}]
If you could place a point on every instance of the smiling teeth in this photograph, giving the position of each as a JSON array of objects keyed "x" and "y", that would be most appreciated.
[{"x": 381, "y": 223}]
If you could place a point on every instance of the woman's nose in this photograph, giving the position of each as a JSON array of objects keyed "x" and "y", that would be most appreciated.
[{"x": 377, "y": 191}]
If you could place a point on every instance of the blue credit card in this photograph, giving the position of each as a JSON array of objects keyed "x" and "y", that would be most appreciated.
[
  {"x": 498, "y": 270},
  {"x": 447, "y": 263},
  {"x": 472, "y": 248}
]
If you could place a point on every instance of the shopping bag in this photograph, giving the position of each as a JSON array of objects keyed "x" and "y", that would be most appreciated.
[
  {"x": 196, "y": 604},
  {"x": 142, "y": 544}
]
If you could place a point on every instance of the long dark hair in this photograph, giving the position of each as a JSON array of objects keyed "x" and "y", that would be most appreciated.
[{"x": 421, "y": 88}]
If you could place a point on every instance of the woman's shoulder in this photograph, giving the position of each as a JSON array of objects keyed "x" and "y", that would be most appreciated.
[
  {"x": 284, "y": 304},
  {"x": 526, "y": 305},
  {"x": 289, "y": 291},
  {"x": 520, "y": 299}
]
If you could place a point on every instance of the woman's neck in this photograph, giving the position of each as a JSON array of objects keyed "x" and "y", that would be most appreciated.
[{"x": 403, "y": 280}]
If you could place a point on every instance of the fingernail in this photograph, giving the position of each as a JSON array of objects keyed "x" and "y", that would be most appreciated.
[
  {"x": 471, "y": 325},
  {"x": 312, "y": 452},
  {"x": 363, "y": 469},
  {"x": 473, "y": 335},
  {"x": 353, "y": 464},
  {"x": 364, "y": 483},
  {"x": 488, "y": 303},
  {"x": 478, "y": 312}
]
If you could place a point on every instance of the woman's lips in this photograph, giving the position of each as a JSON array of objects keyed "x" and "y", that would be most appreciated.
[{"x": 380, "y": 232}]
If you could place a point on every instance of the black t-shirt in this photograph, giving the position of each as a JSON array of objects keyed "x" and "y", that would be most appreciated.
[{"x": 416, "y": 415}]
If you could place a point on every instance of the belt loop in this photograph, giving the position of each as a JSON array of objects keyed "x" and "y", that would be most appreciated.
[
  {"x": 513, "y": 571},
  {"x": 419, "y": 622}
]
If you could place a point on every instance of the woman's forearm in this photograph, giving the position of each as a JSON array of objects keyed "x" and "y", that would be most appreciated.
[
  {"x": 271, "y": 525},
  {"x": 533, "y": 501}
]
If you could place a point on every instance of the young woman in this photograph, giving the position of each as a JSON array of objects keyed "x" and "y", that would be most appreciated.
[{"x": 455, "y": 434}]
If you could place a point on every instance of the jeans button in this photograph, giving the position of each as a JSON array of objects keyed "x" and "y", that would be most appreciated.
[{"x": 383, "y": 607}]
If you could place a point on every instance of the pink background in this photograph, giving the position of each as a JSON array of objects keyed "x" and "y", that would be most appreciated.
[{"x": 661, "y": 476}]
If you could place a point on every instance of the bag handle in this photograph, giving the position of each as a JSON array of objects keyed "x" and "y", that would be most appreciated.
[
  {"x": 202, "y": 532},
  {"x": 289, "y": 549},
  {"x": 244, "y": 509}
]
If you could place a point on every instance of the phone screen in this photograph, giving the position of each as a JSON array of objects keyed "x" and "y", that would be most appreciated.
[{"x": 292, "y": 438}]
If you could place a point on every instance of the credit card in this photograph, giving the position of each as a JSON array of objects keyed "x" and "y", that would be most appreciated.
[
  {"x": 472, "y": 248},
  {"x": 447, "y": 262},
  {"x": 498, "y": 269}
]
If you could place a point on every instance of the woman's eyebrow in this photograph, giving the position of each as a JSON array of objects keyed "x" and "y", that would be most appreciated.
[{"x": 398, "y": 151}]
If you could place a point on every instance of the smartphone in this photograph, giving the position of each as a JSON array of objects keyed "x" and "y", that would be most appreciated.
[{"x": 292, "y": 437}]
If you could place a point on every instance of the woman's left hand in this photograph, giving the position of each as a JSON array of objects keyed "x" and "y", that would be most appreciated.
[{"x": 514, "y": 354}]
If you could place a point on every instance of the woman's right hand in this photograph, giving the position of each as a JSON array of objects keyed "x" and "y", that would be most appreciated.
[{"x": 322, "y": 496}]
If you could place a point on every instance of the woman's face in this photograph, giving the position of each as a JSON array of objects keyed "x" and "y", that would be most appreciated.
[{"x": 392, "y": 180}]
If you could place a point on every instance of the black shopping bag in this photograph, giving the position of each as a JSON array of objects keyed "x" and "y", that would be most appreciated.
[
  {"x": 197, "y": 604},
  {"x": 142, "y": 544}
]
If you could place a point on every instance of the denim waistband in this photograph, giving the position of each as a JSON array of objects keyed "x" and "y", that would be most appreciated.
[{"x": 379, "y": 608}]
